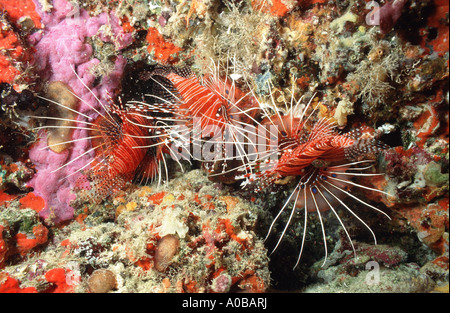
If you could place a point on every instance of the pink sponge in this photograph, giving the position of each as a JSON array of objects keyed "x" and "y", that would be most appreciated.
[{"x": 61, "y": 48}]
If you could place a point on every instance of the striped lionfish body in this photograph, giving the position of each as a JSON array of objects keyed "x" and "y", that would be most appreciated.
[
  {"x": 322, "y": 162},
  {"x": 197, "y": 100},
  {"x": 326, "y": 145},
  {"x": 214, "y": 109},
  {"x": 124, "y": 144},
  {"x": 124, "y": 151}
]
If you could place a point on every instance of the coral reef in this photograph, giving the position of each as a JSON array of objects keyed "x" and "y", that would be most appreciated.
[
  {"x": 102, "y": 281},
  {"x": 187, "y": 236},
  {"x": 69, "y": 28},
  {"x": 16, "y": 55},
  {"x": 21, "y": 233},
  {"x": 362, "y": 63}
]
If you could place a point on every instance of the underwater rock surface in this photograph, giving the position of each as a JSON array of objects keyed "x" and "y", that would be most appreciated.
[
  {"x": 377, "y": 64},
  {"x": 133, "y": 236}
]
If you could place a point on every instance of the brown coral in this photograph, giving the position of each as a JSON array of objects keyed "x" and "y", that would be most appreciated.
[
  {"x": 64, "y": 101},
  {"x": 102, "y": 281},
  {"x": 165, "y": 251}
]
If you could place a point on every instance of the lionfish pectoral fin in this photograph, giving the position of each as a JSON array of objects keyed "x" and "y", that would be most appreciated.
[
  {"x": 165, "y": 70},
  {"x": 184, "y": 72},
  {"x": 363, "y": 147}
]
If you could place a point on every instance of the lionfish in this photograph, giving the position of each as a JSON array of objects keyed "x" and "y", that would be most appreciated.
[
  {"x": 126, "y": 143},
  {"x": 321, "y": 161},
  {"x": 131, "y": 142},
  {"x": 217, "y": 111}
]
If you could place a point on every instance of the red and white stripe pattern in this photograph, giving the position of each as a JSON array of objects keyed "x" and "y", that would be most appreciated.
[
  {"x": 125, "y": 155},
  {"x": 199, "y": 100}
]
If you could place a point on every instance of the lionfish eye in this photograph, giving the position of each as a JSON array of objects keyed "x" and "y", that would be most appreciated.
[{"x": 283, "y": 133}]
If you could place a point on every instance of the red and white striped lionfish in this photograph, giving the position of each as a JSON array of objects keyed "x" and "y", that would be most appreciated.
[
  {"x": 131, "y": 142},
  {"x": 321, "y": 161},
  {"x": 127, "y": 143},
  {"x": 216, "y": 111}
]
